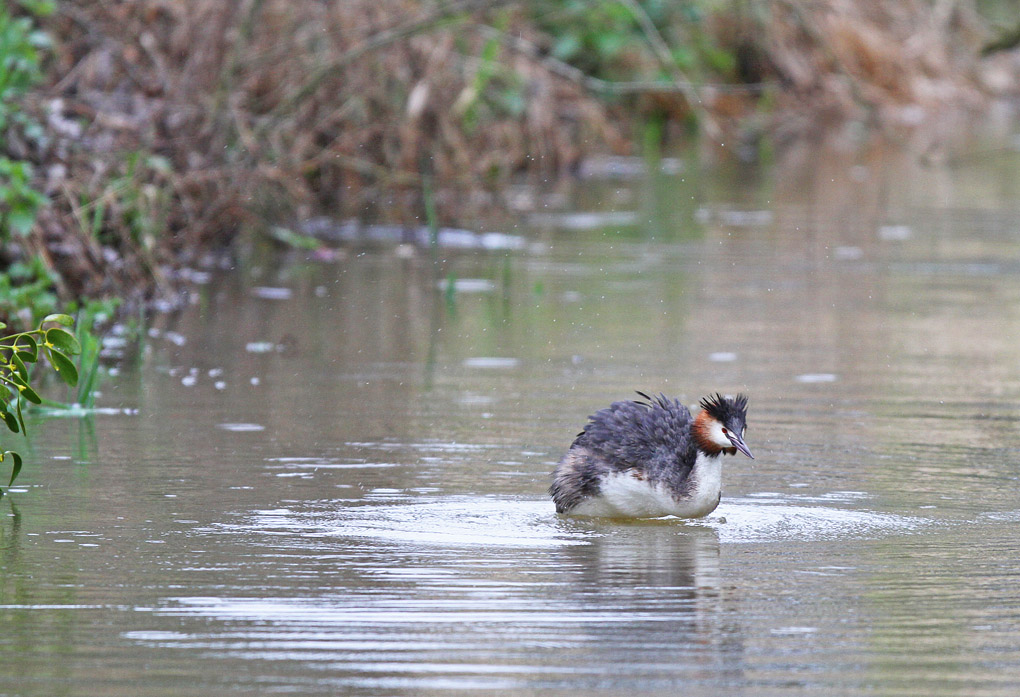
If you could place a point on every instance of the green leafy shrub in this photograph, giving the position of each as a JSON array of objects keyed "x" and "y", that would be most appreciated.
[
  {"x": 19, "y": 202},
  {"x": 20, "y": 69},
  {"x": 17, "y": 353},
  {"x": 20, "y": 65},
  {"x": 607, "y": 39},
  {"x": 26, "y": 293}
]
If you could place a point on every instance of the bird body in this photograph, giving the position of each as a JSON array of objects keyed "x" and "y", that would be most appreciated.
[{"x": 651, "y": 458}]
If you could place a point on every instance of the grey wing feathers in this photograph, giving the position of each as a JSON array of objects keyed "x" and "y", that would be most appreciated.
[{"x": 632, "y": 432}]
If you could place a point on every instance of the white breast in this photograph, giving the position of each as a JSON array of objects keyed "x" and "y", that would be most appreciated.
[{"x": 623, "y": 495}]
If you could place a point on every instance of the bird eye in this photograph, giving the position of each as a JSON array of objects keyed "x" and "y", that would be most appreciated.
[{"x": 725, "y": 432}]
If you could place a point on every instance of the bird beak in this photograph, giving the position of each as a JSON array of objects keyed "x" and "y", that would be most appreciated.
[{"x": 738, "y": 443}]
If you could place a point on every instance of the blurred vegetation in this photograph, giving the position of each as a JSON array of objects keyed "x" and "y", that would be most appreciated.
[
  {"x": 26, "y": 289},
  {"x": 145, "y": 136}
]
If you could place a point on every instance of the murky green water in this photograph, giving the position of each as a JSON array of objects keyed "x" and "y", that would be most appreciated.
[{"x": 340, "y": 488}]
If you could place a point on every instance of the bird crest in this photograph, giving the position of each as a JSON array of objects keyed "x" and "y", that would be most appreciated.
[{"x": 726, "y": 410}]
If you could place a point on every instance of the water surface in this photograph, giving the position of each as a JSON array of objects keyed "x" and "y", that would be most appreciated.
[{"x": 328, "y": 477}]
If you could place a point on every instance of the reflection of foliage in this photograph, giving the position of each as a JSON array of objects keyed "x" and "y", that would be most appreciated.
[{"x": 20, "y": 350}]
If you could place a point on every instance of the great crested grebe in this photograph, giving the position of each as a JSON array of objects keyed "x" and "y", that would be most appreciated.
[{"x": 648, "y": 459}]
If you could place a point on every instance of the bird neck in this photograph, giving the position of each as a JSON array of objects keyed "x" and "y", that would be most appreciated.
[{"x": 704, "y": 424}]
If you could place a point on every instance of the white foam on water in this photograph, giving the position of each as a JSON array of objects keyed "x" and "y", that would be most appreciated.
[
  {"x": 722, "y": 357},
  {"x": 491, "y": 362},
  {"x": 454, "y": 521},
  {"x": 788, "y": 519},
  {"x": 816, "y": 377},
  {"x": 466, "y": 521}
]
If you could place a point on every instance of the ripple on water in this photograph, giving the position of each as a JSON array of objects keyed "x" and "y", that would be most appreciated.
[
  {"x": 450, "y": 521},
  {"x": 774, "y": 520},
  {"x": 456, "y": 521},
  {"x": 316, "y": 463}
]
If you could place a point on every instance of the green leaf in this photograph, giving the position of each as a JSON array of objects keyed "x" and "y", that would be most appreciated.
[
  {"x": 59, "y": 318},
  {"x": 16, "y": 468},
  {"x": 27, "y": 348},
  {"x": 39, "y": 7},
  {"x": 88, "y": 366},
  {"x": 293, "y": 239},
  {"x": 567, "y": 46},
  {"x": 610, "y": 45},
  {"x": 63, "y": 340},
  {"x": 64, "y": 367},
  {"x": 21, "y": 219},
  {"x": 31, "y": 395},
  {"x": 21, "y": 374},
  {"x": 10, "y": 419}
]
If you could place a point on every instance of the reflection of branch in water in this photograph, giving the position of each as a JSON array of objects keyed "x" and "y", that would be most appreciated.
[
  {"x": 435, "y": 325},
  {"x": 10, "y": 536},
  {"x": 88, "y": 443}
]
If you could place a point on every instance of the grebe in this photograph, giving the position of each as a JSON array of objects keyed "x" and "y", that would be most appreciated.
[{"x": 648, "y": 459}]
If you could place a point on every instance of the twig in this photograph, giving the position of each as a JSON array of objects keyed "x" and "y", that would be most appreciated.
[{"x": 381, "y": 173}]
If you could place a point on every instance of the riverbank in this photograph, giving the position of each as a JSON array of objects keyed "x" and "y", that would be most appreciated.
[{"x": 165, "y": 131}]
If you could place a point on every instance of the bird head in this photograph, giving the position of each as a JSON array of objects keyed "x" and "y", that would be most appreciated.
[{"x": 720, "y": 425}]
